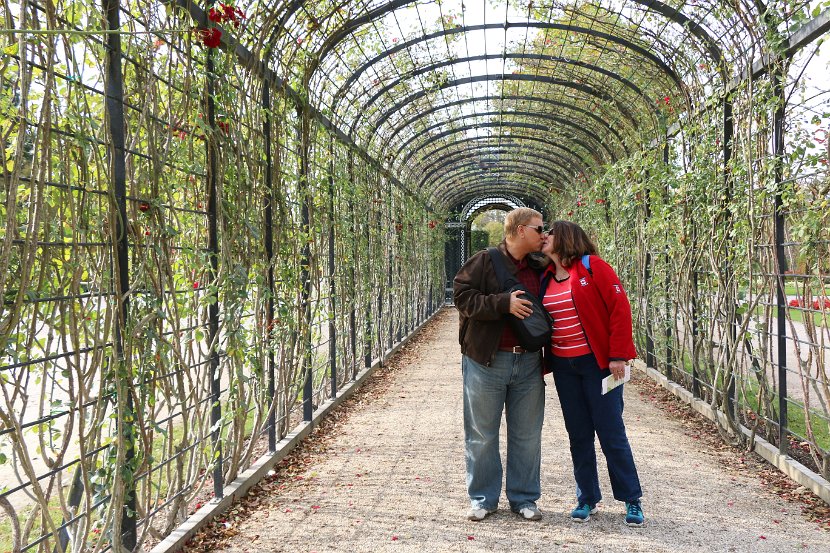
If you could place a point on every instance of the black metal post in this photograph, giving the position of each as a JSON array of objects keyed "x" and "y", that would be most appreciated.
[
  {"x": 213, "y": 251},
  {"x": 732, "y": 329},
  {"x": 332, "y": 281},
  {"x": 305, "y": 262},
  {"x": 651, "y": 360},
  {"x": 780, "y": 258},
  {"x": 115, "y": 116},
  {"x": 367, "y": 276},
  {"x": 269, "y": 252},
  {"x": 667, "y": 335},
  {"x": 352, "y": 273},
  {"x": 695, "y": 331}
]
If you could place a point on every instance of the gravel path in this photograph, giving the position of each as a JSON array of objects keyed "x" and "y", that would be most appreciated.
[{"x": 392, "y": 479}]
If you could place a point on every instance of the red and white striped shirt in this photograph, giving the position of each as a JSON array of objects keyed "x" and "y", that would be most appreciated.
[{"x": 568, "y": 338}]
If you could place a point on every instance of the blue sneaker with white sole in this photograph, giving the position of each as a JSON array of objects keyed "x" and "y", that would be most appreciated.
[
  {"x": 634, "y": 513},
  {"x": 583, "y": 512}
]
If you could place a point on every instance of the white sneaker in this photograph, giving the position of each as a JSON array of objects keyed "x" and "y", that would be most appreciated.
[
  {"x": 531, "y": 512},
  {"x": 479, "y": 513}
]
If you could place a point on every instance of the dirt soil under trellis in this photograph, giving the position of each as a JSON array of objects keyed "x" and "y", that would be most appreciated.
[{"x": 386, "y": 473}]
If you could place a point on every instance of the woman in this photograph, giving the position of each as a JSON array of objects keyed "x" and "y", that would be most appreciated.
[{"x": 591, "y": 339}]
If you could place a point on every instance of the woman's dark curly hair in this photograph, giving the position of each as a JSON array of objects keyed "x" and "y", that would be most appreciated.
[{"x": 570, "y": 242}]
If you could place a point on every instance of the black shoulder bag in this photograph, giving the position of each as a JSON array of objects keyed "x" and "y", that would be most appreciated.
[{"x": 534, "y": 331}]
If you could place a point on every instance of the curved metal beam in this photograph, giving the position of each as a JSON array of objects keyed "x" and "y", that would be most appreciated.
[
  {"x": 553, "y": 176},
  {"x": 512, "y": 137},
  {"x": 482, "y": 78},
  {"x": 542, "y": 57},
  {"x": 533, "y": 115},
  {"x": 540, "y": 99},
  {"x": 542, "y": 182},
  {"x": 479, "y": 152},
  {"x": 331, "y": 42},
  {"x": 511, "y": 125},
  {"x": 521, "y": 189}
]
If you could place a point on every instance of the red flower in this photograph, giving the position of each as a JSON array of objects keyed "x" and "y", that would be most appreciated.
[
  {"x": 224, "y": 125},
  {"x": 143, "y": 207},
  {"x": 794, "y": 303},
  {"x": 211, "y": 37},
  {"x": 215, "y": 15}
]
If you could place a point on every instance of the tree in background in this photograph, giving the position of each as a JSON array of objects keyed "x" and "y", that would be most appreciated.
[{"x": 492, "y": 222}]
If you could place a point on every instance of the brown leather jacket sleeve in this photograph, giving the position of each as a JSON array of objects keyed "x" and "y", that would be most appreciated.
[{"x": 476, "y": 290}]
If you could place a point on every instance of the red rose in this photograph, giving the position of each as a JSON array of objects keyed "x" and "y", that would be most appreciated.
[{"x": 211, "y": 37}]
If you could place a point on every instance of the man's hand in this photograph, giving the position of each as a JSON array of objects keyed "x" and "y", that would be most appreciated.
[
  {"x": 519, "y": 308},
  {"x": 617, "y": 368}
]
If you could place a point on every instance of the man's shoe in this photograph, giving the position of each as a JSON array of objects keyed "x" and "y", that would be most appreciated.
[
  {"x": 478, "y": 513},
  {"x": 583, "y": 512},
  {"x": 531, "y": 512},
  {"x": 634, "y": 513}
]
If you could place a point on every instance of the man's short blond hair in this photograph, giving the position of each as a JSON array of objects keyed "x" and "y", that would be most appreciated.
[{"x": 519, "y": 216}]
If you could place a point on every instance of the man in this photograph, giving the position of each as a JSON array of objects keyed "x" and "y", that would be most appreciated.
[{"x": 499, "y": 375}]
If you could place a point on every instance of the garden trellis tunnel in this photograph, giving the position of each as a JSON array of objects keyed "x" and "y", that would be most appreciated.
[{"x": 217, "y": 215}]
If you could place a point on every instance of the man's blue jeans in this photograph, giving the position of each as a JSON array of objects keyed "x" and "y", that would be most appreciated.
[
  {"x": 513, "y": 382},
  {"x": 588, "y": 412}
]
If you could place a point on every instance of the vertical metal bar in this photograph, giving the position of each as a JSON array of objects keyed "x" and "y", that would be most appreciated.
[
  {"x": 115, "y": 116},
  {"x": 269, "y": 252},
  {"x": 390, "y": 262},
  {"x": 305, "y": 261},
  {"x": 651, "y": 360},
  {"x": 352, "y": 273},
  {"x": 213, "y": 251},
  {"x": 780, "y": 258},
  {"x": 332, "y": 282},
  {"x": 667, "y": 334},
  {"x": 695, "y": 331},
  {"x": 732, "y": 329},
  {"x": 367, "y": 340}
]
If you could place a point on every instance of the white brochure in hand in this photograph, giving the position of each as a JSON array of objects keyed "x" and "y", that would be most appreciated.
[{"x": 609, "y": 382}]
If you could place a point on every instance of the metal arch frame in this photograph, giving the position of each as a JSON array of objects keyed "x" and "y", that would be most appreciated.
[
  {"x": 540, "y": 99},
  {"x": 331, "y": 42},
  {"x": 469, "y": 168},
  {"x": 532, "y": 183},
  {"x": 524, "y": 77},
  {"x": 674, "y": 15},
  {"x": 531, "y": 114},
  {"x": 541, "y": 57},
  {"x": 477, "y": 152},
  {"x": 506, "y": 124},
  {"x": 509, "y": 187},
  {"x": 512, "y": 137},
  {"x": 474, "y": 206}
]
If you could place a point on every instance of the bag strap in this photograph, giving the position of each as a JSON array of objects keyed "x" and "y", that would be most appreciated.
[
  {"x": 497, "y": 258},
  {"x": 586, "y": 260}
]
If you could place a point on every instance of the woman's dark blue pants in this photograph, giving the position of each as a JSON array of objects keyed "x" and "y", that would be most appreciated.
[{"x": 587, "y": 413}]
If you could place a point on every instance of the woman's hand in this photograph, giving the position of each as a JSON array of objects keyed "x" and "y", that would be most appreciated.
[{"x": 617, "y": 368}]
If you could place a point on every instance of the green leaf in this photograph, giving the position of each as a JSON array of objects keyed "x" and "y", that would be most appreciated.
[{"x": 11, "y": 50}]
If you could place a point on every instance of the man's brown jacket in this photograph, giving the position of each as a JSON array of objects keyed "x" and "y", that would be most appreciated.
[{"x": 482, "y": 305}]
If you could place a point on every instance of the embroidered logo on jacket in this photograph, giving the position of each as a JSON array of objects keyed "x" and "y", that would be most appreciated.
[
  {"x": 617, "y": 289},
  {"x": 583, "y": 281}
]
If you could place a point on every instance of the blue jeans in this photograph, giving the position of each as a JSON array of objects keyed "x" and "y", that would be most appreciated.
[
  {"x": 587, "y": 412},
  {"x": 513, "y": 382}
]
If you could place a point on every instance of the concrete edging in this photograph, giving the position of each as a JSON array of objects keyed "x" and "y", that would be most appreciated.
[
  {"x": 249, "y": 478},
  {"x": 786, "y": 464}
]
